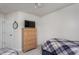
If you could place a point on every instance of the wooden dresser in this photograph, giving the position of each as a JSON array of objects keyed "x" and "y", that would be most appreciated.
[{"x": 29, "y": 39}]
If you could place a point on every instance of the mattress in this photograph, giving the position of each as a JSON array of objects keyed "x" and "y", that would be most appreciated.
[
  {"x": 8, "y": 51},
  {"x": 56, "y": 46}
]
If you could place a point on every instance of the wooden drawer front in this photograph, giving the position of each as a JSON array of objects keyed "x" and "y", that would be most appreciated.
[
  {"x": 29, "y": 34},
  {"x": 29, "y": 30},
  {"x": 30, "y": 44},
  {"x": 30, "y": 41},
  {"x": 30, "y": 38},
  {"x": 29, "y": 47}
]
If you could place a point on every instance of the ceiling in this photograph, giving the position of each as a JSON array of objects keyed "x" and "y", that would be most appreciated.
[{"x": 30, "y": 8}]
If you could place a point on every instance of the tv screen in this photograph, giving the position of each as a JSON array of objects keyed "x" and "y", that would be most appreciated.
[{"x": 29, "y": 23}]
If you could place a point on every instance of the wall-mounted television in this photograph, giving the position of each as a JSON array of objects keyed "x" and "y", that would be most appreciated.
[{"x": 29, "y": 23}]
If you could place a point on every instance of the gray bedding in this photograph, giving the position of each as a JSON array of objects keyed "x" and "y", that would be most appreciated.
[{"x": 8, "y": 51}]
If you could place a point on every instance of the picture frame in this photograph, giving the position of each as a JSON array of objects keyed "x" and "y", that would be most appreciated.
[{"x": 15, "y": 25}]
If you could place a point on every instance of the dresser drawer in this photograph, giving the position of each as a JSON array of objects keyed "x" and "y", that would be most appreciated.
[
  {"x": 30, "y": 38},
  {"x": 30, "y": 42},
  {"x": 30, "y": 46}
]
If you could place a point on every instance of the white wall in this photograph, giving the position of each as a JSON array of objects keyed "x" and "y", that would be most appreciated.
[
  {"x": 15, "y": 41},
  {"x": 62, "y": 24},
  {"x": 1, "y": 29}
]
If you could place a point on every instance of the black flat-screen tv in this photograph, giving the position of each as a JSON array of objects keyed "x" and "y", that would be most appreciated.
[{"x": 29, "y": 24}]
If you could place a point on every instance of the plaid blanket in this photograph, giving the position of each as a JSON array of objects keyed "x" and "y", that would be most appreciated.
[
  {"x": 8, "y": 51},
  {"x": 61, "y": 47}
]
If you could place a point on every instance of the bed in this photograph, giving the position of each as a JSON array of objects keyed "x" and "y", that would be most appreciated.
[
  {"x": 8, "y": 51},
  {"x": 56, "y": 46}
]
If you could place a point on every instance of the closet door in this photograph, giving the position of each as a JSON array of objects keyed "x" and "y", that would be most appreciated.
[{"x": 29, "y": 39}]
